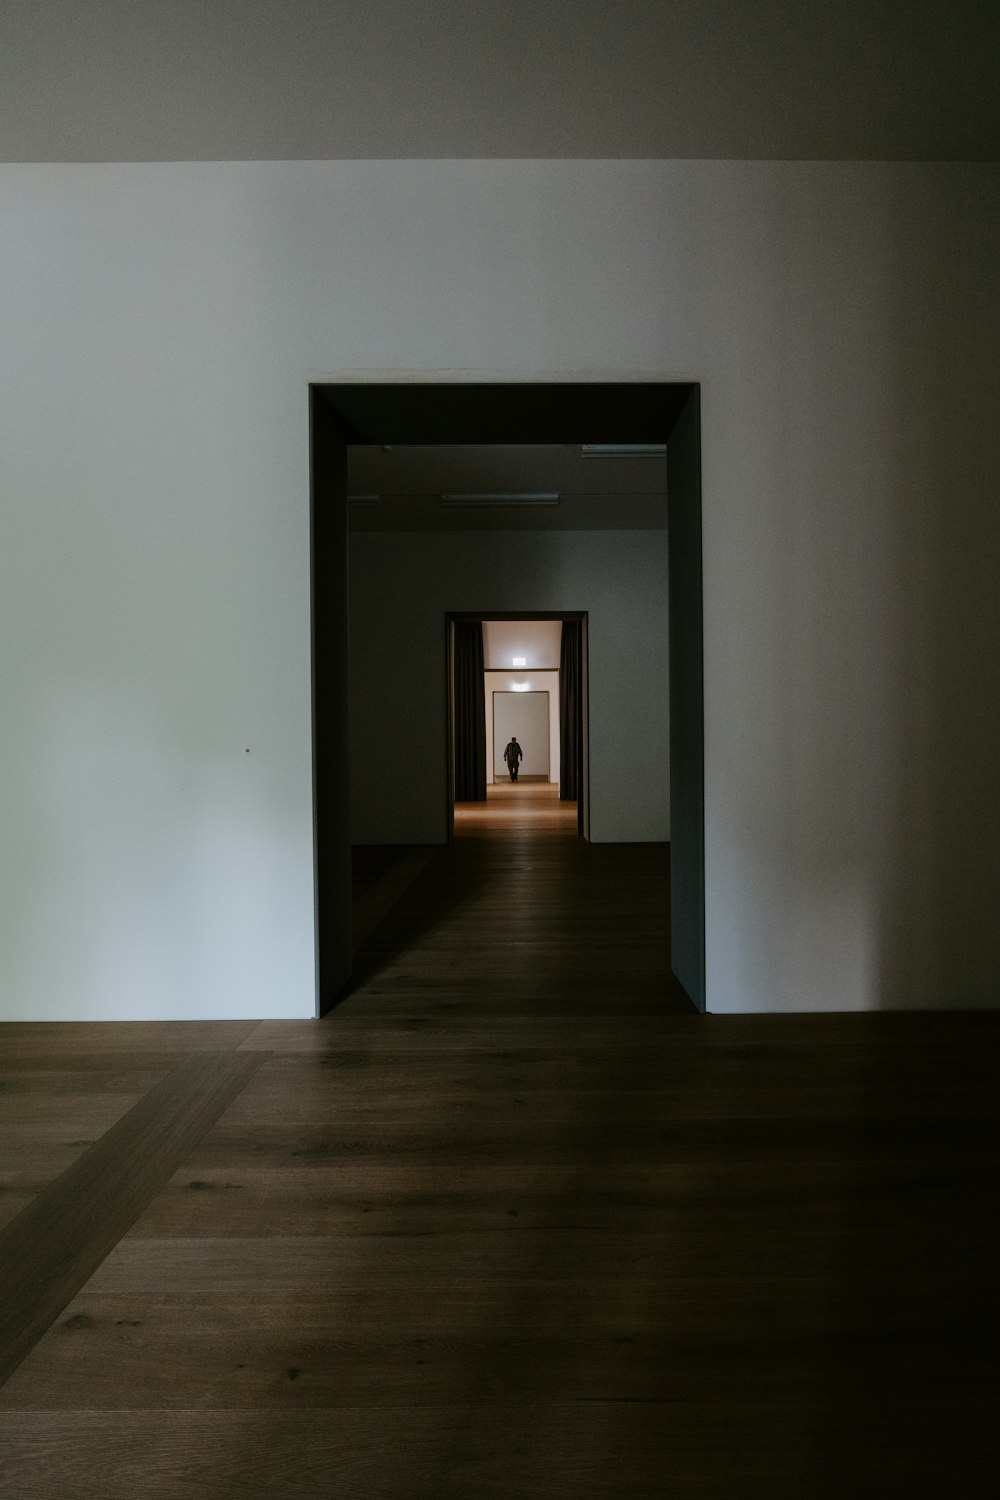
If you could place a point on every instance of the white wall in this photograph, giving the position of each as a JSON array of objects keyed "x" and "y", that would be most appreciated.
[
  {"x": 402, "y": 586},
  {"x": 539, "y": 682},
  {"x": 160, "y": 324}
]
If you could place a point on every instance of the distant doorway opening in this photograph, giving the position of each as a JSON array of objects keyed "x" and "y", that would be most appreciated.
[
  {"x": 518, "y": 736},
  {"x": 534, "y": 688}
]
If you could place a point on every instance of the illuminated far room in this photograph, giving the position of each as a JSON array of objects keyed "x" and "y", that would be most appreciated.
[{"x": 521, "y": 682}]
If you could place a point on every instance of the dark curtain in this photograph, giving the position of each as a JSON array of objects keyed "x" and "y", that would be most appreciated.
[
  {"x": 570, "y": 713},
  {"x": 470, "y": 713}
]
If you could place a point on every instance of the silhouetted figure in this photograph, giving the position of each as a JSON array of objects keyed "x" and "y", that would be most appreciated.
[{"x": 512, "y": 755}]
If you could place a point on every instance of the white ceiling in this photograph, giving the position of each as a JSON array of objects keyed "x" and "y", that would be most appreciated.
[
  {"x": 594, "y": 493},
  {"x": 155, "y": 80}
]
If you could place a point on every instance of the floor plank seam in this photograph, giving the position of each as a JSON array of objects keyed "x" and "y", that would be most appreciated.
[{"x": 50, "y": 1250}]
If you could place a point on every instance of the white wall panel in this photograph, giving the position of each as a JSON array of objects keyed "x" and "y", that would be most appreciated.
[{"x": 159, "y": 325}]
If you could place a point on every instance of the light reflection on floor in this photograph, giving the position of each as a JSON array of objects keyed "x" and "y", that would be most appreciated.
[{"x": 517, "y": 807}]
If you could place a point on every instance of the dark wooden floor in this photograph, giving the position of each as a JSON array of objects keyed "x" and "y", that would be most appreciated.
[{"x": 512, "y": 1221}]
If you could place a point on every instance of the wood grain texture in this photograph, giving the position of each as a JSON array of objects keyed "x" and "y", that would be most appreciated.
[
  {"x": 48, "y": 1251},
  {"x": 805, "y": 1450},
  {"x": 736, "y": 1191},
  {"x": 60, "y": 1042},
  {"x": 514, "y": 808},
  {"x": 619, "y": 1338},
  {"x": 51, "y": 1112}
]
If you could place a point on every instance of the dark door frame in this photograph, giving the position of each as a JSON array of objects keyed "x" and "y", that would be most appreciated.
[
  {"x": 408, "y": 413},
  {"x": 480, "y": 616}
]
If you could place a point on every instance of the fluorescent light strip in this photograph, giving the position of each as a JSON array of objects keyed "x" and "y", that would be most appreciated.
[
  {"x": 526, "y": 498},
  {"x": 623, "y": 450}
]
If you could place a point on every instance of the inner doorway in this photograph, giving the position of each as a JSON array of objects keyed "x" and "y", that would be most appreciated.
[
  {"x": 518, "y": 735},
  {"x": 521, "y": 675},
  {"x": 618, "y": 413}
]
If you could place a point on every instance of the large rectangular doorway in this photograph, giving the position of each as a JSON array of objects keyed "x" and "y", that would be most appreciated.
[{"x": 624, "y": 413}]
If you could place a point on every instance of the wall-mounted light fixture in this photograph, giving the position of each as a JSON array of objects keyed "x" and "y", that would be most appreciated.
[{"x": 519, "y": 687}]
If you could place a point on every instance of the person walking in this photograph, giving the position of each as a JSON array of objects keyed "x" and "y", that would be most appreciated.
[{"x": 512, "y": 755}]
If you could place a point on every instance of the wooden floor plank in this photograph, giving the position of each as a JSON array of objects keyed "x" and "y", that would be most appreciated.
[
  {"x": 549, "y": 1254},
  {"x": 378, "y": 1197},
  {"x": 192, "y": 1455},
  {"x": 52, "y": 1039},
  {"x": 705, "y": 1342},
  {"x": 49, "y": 1116},
  {"x": 48, "y": 1251},
  {"x": 809, "y": 1450}
]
